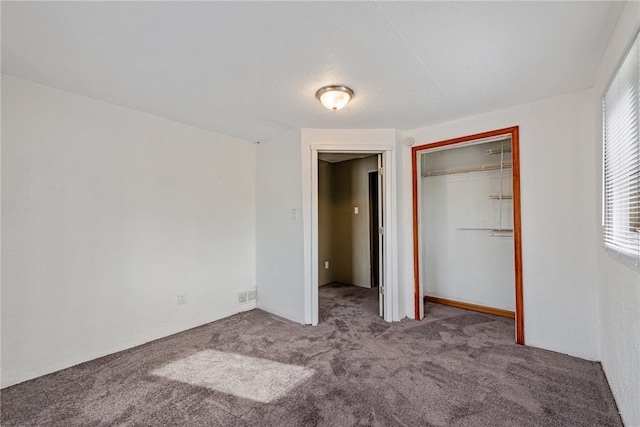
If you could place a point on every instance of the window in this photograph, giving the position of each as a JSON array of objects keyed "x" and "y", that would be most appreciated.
[{"x": 621, "y": 159}]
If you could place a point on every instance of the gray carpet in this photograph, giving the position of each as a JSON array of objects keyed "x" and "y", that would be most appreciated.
[{"x": 456, "y": 368}]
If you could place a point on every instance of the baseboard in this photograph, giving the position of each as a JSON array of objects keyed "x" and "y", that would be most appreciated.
[
  {"x": 480, "y": 308},
  {"x": 247, "y": 306}
]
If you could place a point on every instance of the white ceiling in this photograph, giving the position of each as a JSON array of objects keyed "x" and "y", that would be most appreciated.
[{"x": 251, "y": 69}]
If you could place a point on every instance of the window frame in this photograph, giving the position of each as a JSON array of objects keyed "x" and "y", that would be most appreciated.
[{"x": 612, "y": 185}]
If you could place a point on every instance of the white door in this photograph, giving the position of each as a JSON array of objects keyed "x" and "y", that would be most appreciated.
[{"x": 381, "y": 288}]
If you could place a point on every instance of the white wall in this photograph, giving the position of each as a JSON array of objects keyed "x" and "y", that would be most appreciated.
[
  {"x": 467, "y": 265},
  {"x": 1, "y": 222},
  {"x": 558, "y": 219},
  {"x": 108, "y": 214},
  {"x": 404, "y": 194},
  {"x": 279, "y": 251},
  {"x": 619, "y": 285}
]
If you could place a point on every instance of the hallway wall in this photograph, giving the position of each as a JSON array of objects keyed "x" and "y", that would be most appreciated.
[
  {"x": 351, "y": 246},
  {"x": 325, "y": 223}
]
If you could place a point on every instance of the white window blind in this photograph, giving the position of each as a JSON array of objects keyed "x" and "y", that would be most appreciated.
[{"x": 621, "y": 159}]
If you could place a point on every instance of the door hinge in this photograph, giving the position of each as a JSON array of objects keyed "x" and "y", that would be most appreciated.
[
  {"x": 381, "y": 231},
  {"x": 382, "y": 290},
  {"x": 381, "y": 170}
]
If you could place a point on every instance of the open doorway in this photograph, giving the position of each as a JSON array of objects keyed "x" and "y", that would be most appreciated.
[
  {"x": 388, "y": 289},
  {"x": 467, "y": 234},
  {"x": 349, "y": 225}
]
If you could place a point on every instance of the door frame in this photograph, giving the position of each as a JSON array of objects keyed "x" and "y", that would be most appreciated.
[
  {"x": 517, "y": 231},
  {"x": 389, "y": 250}
]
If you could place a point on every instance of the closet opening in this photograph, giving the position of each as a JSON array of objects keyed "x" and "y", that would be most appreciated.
[
  {"x": 467, "y": 236},
  {"x": 349, "y": 228}
]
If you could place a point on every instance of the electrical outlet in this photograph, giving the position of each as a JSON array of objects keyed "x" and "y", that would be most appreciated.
[
  {"x": 356, "y": 210},
  {"x": 326, "y": 265},
  {"x": 182, "y": 298}
]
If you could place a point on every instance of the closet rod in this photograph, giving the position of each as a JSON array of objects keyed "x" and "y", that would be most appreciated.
[
  {"x": 493, "y": 232},
  {"x": 485, "y": 229},
  {"x": 501, "y": 233},
  {"x": 479, "y": 168}
]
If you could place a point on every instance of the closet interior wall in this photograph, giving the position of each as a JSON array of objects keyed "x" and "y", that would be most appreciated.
[{"x": 467, "y": 224}]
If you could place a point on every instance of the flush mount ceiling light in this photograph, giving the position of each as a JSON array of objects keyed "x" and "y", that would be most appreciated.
[{"x": 334, "y": 97}]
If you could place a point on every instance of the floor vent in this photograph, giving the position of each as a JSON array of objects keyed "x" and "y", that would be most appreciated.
[
  {"x": 242, "y": 297},
  {"x": 245, "y": 297}
]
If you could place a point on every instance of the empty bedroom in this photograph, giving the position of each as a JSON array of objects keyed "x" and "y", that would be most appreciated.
[{"x": 320, "y": 213}]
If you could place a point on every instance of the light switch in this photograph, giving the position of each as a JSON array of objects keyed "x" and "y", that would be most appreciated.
[
  {"x": 294, "y": 213},
  {"x": 355, "y": 210}
]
